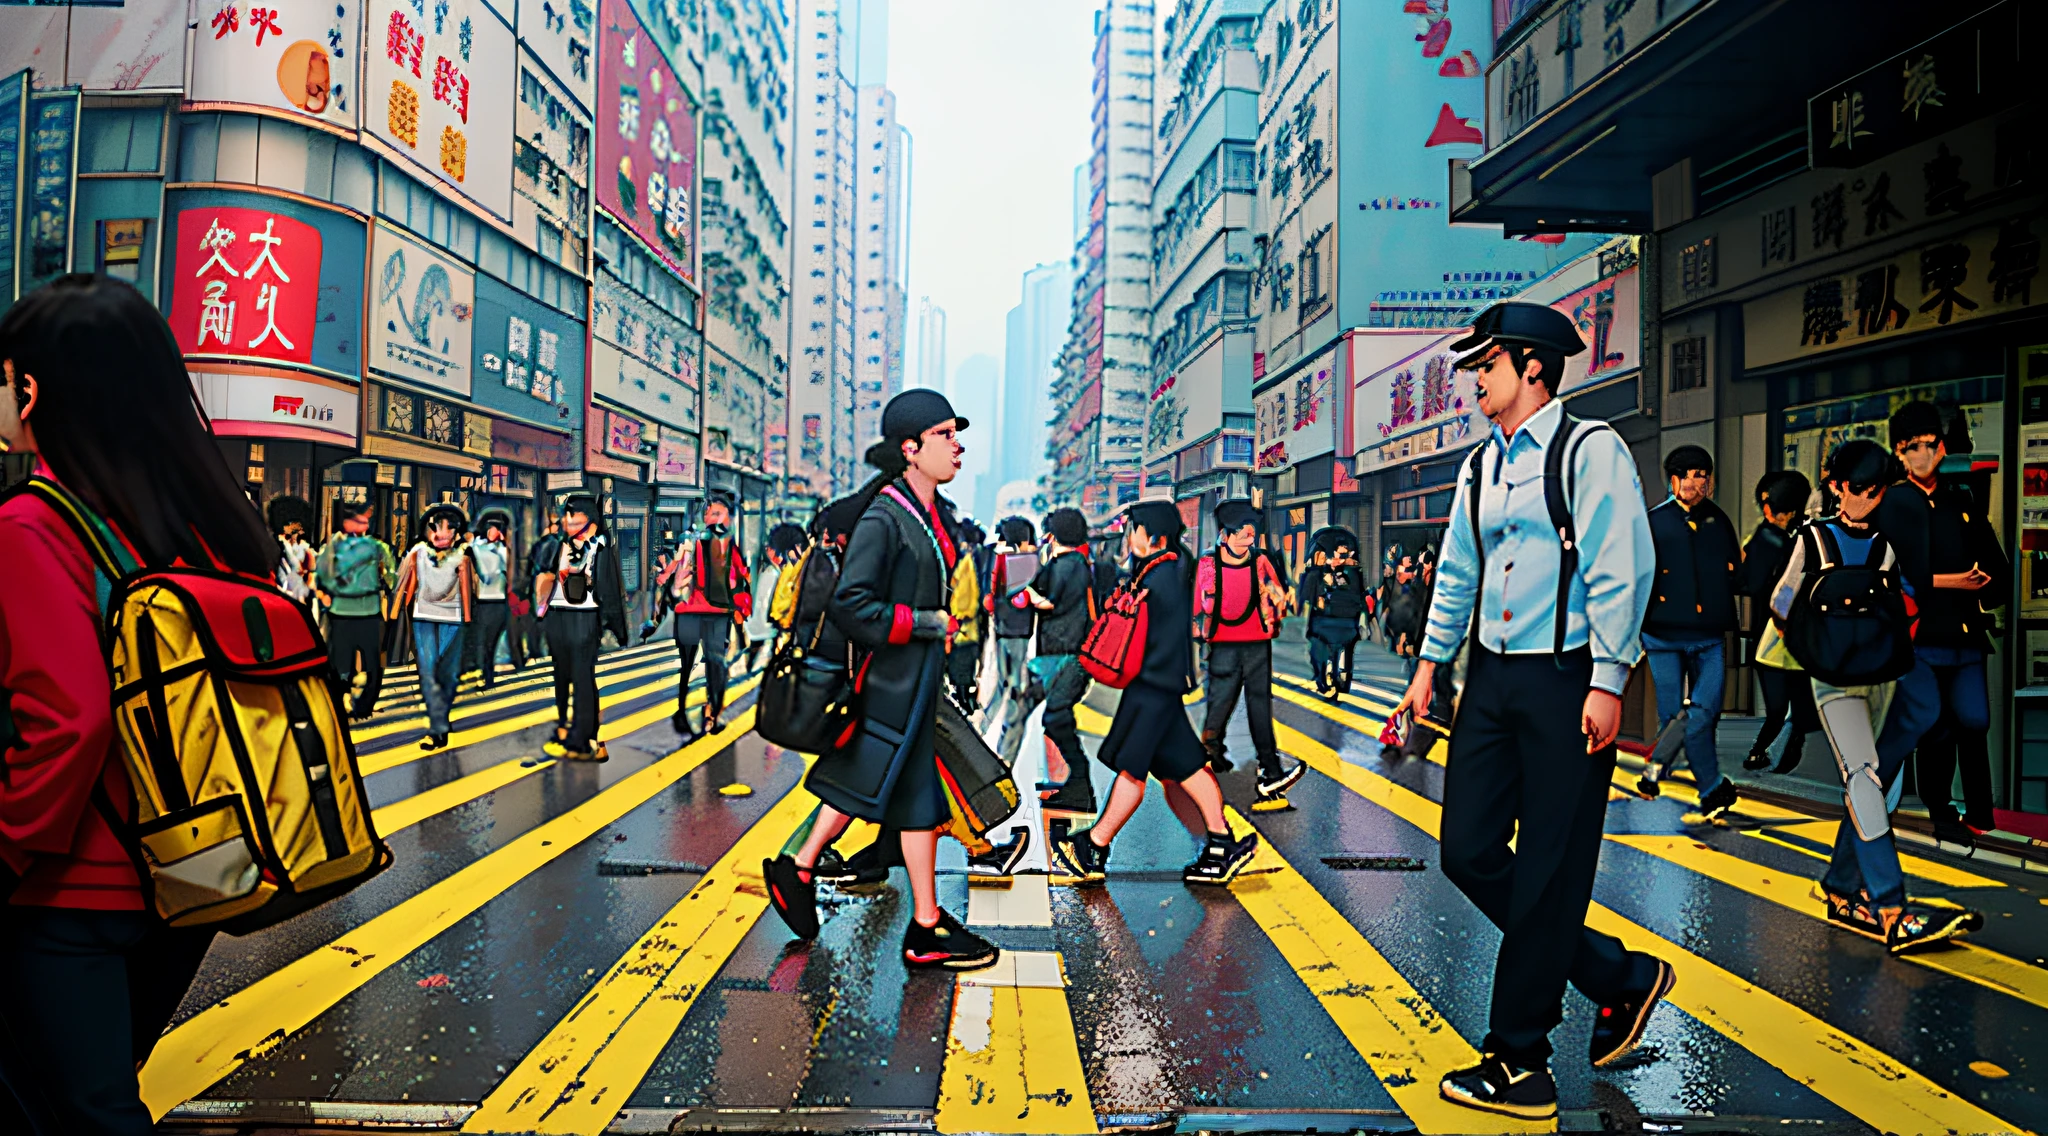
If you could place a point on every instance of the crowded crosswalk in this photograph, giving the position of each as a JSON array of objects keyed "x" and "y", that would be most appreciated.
[{"x": 579, "y": 947}]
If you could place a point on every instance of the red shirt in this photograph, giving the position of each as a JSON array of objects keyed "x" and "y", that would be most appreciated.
[
  {"x": 1239, "y": 609},
  {"x": 51, "y": 834}
]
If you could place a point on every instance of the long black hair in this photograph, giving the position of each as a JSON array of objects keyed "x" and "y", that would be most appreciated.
[{"x": 117, "y": 419}]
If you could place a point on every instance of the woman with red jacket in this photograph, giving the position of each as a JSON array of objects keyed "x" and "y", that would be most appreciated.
[{"x": 92, "y": 383}]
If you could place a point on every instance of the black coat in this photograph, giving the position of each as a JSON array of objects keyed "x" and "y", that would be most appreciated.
[
  {"x": 1938, "y": 533},
  {"x": 1697, "y": 555},
  {"x": 1336, "y": 591},
  {"x": 1066, "y": 581},
  {"x": 890, "y": 572},
  {"x": 1763, "y": 564},
  {"x": 604, "y": 572},
  {"x": 1169, "y": 625}
]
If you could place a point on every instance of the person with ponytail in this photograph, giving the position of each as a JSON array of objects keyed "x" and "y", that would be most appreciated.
[
  {"x": 892, "y": 602},
  {"x": 92, "y": 384}
]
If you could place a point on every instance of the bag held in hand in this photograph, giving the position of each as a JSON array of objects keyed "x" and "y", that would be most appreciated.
[
  {"x": 807, "y": 700},
  {"x": 248, "y": 804},
  {"x": 1114, "y": 650},
  {"x": 979, "y": 789}
]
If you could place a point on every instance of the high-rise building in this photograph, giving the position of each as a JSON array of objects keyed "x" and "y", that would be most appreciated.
[
  {"x": 1100, "y": 395},
  {"x": 1033, "y": 333},
  {"x": 973, "y": 392},
  {"x": 931, "y": 345},
  {"x": 879, "y": 317}
]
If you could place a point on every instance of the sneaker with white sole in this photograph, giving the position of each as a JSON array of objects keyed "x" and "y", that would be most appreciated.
[
  {"x": 1495, "y": 1086},
  {"x": 1000, "y": 862}
]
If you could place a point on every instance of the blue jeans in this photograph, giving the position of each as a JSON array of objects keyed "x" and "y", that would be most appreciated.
[
  {"x": 439, "y": 647},
  {"x": 1872, "y": 866},
  {"x": 1673, "y": 664}
]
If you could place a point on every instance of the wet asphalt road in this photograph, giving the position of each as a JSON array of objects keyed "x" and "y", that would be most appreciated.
[{"x": 496, "y": 979}]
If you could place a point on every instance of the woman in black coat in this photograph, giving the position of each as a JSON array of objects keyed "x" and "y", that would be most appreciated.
[{"x": 892, "y": 603}]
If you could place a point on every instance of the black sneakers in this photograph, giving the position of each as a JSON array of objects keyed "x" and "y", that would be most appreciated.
[
  {"x": 1757, "y": 760},
  {"x": 832, "y": 868},
  {"x": 1221, "y": 860},
  {"x": 1075, "y": 795},
  {"x": 1617, "y": 1028},
  {"x": 1219, "y": 760},
  {"x": 432, "y": 742},
  {"x": 1000, "y": 862},
  {"x": 1917, "y": 930},
  {"x": 1495, "y": 1086},
  {"x": 793, "y": 897},
  {"x": 946, "y": 944},
  {"x": 1718, "y": 801},
  {"x": 1274, "y": 784},
  {"x": 1078, "y": 860}
]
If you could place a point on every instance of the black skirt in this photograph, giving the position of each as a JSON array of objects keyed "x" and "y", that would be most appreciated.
[{"x": 1151, "y": 736}]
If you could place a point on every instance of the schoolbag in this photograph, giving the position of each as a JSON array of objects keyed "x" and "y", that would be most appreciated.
[
  {"x": 248, "y": 805},
  {"x": 1560, "y": 479},
  {"x": 358, "y": 565},
  {"x": 1114, "y": 651},
  {"x": 1849, "y": 624}
]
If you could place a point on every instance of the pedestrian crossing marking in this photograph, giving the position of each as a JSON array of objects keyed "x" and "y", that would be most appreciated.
[
  {"x": 1862, "y": 1080},
  {"x": 1408, "y": 1045},
  {"x": 195, "y": 1055},
  {"x": 403, "y": 681},
  {"x": 1960, "y": 959},
  {"x": 371, "y": 731},
  {"x": 1027, "y": 902},
  {"x": 1013, "y": 1062},
  {"x": 1823, "y": 832},
  {"x": 403, "y": 814},
  {"x": 579, "y": 1076}
]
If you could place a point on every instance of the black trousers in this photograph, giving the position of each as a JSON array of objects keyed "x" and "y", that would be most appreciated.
[
  {"x": 572, "y": 643},
  {"x": 491, "y": 618},
  {"x": 711, "y": 632},
  {"x": 963, "y": 675},
  {"x": 356, "y": 643},
  {"x": 87, "y": 995},
  {"x": 1247, "y": 669},
  {"x": 1518, "y": 755},
  {"x": 1788, "y": 695}
]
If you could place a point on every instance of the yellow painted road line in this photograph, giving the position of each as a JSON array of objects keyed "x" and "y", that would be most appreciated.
[
  {"x": 371, "y": 731},
  {"x": 219, "y": 1039},
  {"x": 1962, "y": 959},
  {"x": 1392, "y": 1026},
  {"x": 579, "y": 1076},
  {"x": 1013, "y": 1063},
  {"x": 406, "y": 677},
  {"x": 1870, "y": 1085},
  {"x": 1823, "y": 833},
  {"x": 408, "y": 812}
]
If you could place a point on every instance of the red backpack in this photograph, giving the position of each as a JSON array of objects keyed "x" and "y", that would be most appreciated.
[{"x": 1115, "y": 648}]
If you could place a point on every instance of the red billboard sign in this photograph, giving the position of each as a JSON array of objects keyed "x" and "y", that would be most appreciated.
[
  {"x": 646, "y": 142},
  {"x": 247, "y": 284}
]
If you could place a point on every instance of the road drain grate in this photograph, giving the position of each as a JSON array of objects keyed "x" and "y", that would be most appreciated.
[
  {"x": 1372, "y": 862},
  {"x": 649, "y": 868}
]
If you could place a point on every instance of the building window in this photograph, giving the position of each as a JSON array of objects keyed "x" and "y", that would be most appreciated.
[
  {"x": 1689, "y": 364},
  {"x": 1311, "y": 279}
]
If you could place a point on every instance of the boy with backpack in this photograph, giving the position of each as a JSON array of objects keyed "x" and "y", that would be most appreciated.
[
  {"x": 353, "y": 573},
  {"x": 1333, "y": 592},
  {"x": 1239, "y": 603},
  {"x": 491, "y": 559},
  {"x": 1787, "y": 693},
  {"x": 1844, "y": 615},
  {"x": 1063, "y": 595}
]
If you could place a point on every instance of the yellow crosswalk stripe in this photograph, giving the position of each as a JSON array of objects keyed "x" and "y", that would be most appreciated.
[
  {"x": 536, "y": 674},
  {"x": 217, "y": 1040},
  {"x": 403, "y": 814},
  {"x": 1823, "y": 832},
  {"x": 579, "y": 1076},
  {"x": 1013, "y": 1062},
  {"x": 1862, "y": 1080},
  {"x": 499, "y": 699}
]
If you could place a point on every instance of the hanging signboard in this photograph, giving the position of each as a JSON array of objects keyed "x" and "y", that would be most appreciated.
[
  {"x": 529, "y": 358},
  {"x": 675, "y": 462},
  {"x": 250, "y": 403},
  {"x": 420, "y": 329},
  {"x": 439, "y": 89},
  {"x": 646, "y": 142},
  {"x": 13, "y": 128},
  {"x": 245, "y": 284},
  {"x": 50, "y": 185},
  {"x": 297, "y": 56}
]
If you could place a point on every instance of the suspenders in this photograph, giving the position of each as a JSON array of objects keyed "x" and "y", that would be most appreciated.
[{"x": 1560, "y": 460}]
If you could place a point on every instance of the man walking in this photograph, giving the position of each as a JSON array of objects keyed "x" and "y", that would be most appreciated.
[
  {"x": 1062, "y": 595},
  {"x": 708, "y": 584},
  {"x": 492, "y": 559},
  {"x": 1239, "y": 602},
  {"x": 353, "y": 574},
  {"x": 1553, "y": 629},
  {"x": 579, "y": 595},
  {"x": 1016, "y": 562},
  {"x": 1692, "y": 609}
]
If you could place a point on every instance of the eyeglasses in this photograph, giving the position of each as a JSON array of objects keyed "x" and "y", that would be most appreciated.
[
  {"x": 1483, "y": 362},
  {"x": 1921, "y": 447}
]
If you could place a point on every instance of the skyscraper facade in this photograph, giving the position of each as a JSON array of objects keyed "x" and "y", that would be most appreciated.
[
  {"x": 879, "y": 318},
  {"x": 1033, "y": 333}
]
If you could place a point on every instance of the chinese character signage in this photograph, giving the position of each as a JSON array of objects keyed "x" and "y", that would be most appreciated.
[
  {"x": 1960, "y": 75},
  {"x": 317, "y": 410},
  {"x": 1414, "y": 406},
  {"x": 291, "y": 55},
  {"x": 646, "y": 142},
  {"x": 1984, "y": 272},
  {"x": 438, "y": 86},
  {"x": 13, "y": 127},
  {"x": 563, "y": 35},
  {"x": 675, "y": 462},
  {"x": 420, "y": 326},
  {"x": 245, "y": 284},
  {"x": 49, "y": 184},
  {"x": 1189, "y": 405},
  {"x": 1608, "y": 315},
  {"x": 1295, "y": 416},
  {"x": 529, "y": 358}
]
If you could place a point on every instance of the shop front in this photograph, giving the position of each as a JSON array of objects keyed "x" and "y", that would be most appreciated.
[{"x": 1295, "y": 419}]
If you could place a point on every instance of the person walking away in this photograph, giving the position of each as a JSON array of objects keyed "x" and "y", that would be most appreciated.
[
  {"x": 1692, "y": 610},
  {"x": 1406, "y": 613},
  {"x": 778, "y": 551},
  {"x": 353, "y": 574},
  {"x": 1238, "y": 604},
  {"x": 1864, "y": 888},
  {"x": 963, "y": 662},
  {"x": 711, "y": 591},
  {"x": 1014, "y": 623},
  {"x": 289, "y": 517},
  {"x": 1062, "y": 594},
  {"x": 1150, "y": 735},
  {"x": 581, "y": 597},
  {"x": 1333, "y": 594},
  {"x": 93, "y": 388},
  {"x": 491, "y": 561},
  {"x": 1552, "y": 627},
  {"x": 438, "y": 581},
  {"x": 1781, "y": 496},
  {"x": 536, "y": 638},
  {"x": 1949, "y": 552},
  {"x": 891, "y": 600}
]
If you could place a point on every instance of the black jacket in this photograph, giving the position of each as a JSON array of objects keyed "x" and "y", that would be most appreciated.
[
  {"x": 1697, "y": 555},
  {"x": 1763, "y": 565},
  {"x": 604, "y": 572},
  {"x": 1407, "y": 612},
  {"x": 1169, "y": 625},
  {"x": 1066, "y": 581},
  {"x": 1334, "y": 591},
  {"x": 1011, "y": 621},
  {"x": 1938, "y": 533}
]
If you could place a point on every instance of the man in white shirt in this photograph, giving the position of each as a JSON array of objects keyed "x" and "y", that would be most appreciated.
[{"x": 491, "y": 557}]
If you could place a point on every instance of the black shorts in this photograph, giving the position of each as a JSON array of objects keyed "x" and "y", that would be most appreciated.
[{"x": 1151, "y": 736}]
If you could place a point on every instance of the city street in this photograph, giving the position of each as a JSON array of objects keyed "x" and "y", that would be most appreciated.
[{"x": 579, "y": 948}]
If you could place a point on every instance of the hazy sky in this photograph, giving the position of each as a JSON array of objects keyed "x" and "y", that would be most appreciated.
[{"x": 995, "y": 94}]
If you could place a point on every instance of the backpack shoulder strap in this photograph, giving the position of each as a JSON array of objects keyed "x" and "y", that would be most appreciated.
[
  {"x": 1475, "y": 471},
  {"x": 1559, "y": 482},
  {"x": 1822, "y": 547},
  {"x": 109, "y": 553}
]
